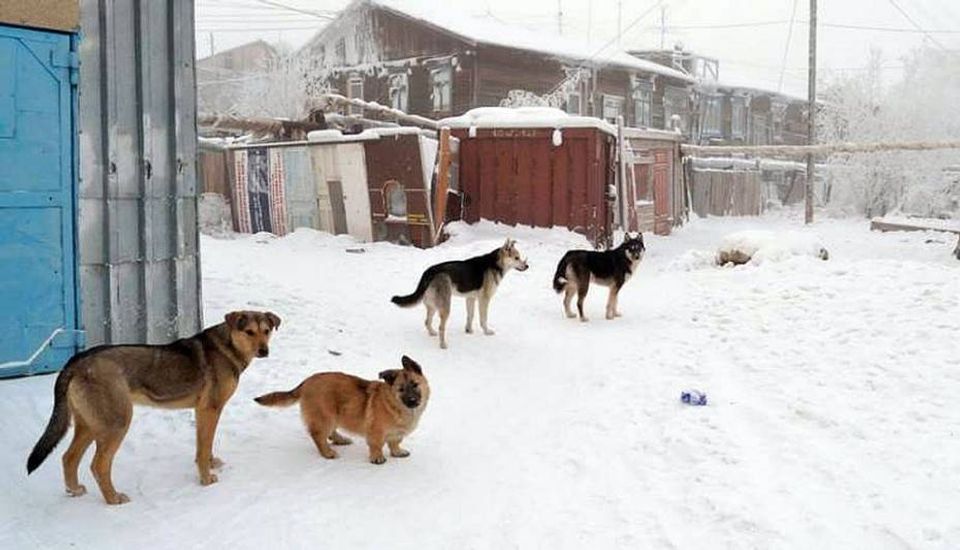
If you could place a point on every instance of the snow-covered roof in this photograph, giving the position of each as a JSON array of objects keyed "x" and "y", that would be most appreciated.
[
  {"x": 488, "y": 30},
  {"x": 729, "y": 83},
  {"x": 335, "y": 136},
  {"x": 524, "y": 117}
]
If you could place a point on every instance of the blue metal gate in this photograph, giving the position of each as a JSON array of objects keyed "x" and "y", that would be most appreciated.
[{"x": 39, "y": 309}]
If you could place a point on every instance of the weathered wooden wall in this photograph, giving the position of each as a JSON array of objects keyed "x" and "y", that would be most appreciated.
[{"x": 727, "y": 192}]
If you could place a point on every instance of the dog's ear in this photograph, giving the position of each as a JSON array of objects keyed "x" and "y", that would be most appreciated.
[
  {"x": 273, "y": 318},
  {"x": 411, "y": 365},
  {"x": 508, "y": 244},
  {"x": 236, "y": 320},
  {"x": 389, "y": 376}
]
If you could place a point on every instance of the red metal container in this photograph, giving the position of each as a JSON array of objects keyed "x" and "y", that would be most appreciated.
[{"x": 526, "y": 176}]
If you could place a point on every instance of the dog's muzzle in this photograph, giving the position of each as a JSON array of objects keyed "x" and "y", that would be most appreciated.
[
  {"x": 263, "y": 352},
  {"x": 411, "y": 402},
  {"x": 523, "y": 267}
]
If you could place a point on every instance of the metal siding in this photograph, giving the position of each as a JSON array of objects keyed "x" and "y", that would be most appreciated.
[
  {"x": 140, "y": 273},
  {"x": 37, "y": 201},
  {"x": 301, "y": 191}
]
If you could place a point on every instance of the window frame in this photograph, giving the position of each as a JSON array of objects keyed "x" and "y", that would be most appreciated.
[
  {"x": 608, "y": 101},
  {"x": 355, "y": 80},
  {"x": 442, "y": 102}
]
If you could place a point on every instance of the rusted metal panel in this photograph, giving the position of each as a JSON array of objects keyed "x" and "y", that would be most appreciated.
[
  {"x": 300, "y": 189},
  {"x": 517, "y": 176},
  {"x": 396, "y": 160}
]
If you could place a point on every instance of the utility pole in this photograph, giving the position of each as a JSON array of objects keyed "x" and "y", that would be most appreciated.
[
  {"x": 811, "y": 112},
  {"x": 663, "y": 25},
  {"x": 559, "y": 16}
]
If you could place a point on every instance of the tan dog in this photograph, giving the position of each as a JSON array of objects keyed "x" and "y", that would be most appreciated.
[
  {"x": 384, "y": 412},
  {"x": 98, "y": 388}
]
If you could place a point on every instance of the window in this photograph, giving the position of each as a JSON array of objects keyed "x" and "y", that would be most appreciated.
[
  {"x": 441, "y": 86},
  {"x": 355, "y": 91},
  {"x": 643, "y": 104},
  {"x": 738, "y": 117},
  {"x": 395, "y": 198},
  {"x": 341, "y": 53},
  {"x": 760, "y": 130},
  {"x": 675, "y": 103},
  {"x": 612, "y": 107},
  {"x": 358, "y": 46},
  {"x": 712, "y": 108},
  {"x": 572, "y": 105},
  {"x": 399, "y": 91}
]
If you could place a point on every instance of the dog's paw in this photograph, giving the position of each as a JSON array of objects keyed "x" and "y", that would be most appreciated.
[
  {"x": 617, "y": 314},
  {"x": 338, "y": 439},
  {"x": 469, "y": 330},
  {"x": 378, "y": 460},
  {"x": 611, "y": 317},
  {"x": 329, "y": 454},
  {"x": 400, "y": 453},
  {"x": 118, "y": 498},
  {"x": 77, "y": 491},
  {"x": 443, "y": 345},
  {"x": 216, "y": 463},
  {"x": 488, "y": 332},
  {"x": 584, "y": 320},
  {"x": 571, "y": 315},
  {"x": 432, "y": 332},
  {"x": 209, "y": 479}
]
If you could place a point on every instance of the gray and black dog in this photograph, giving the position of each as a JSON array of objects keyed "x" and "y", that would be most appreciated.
[
  {"x": 610, "y": 268},
  {"x": 476, "y": 279}
]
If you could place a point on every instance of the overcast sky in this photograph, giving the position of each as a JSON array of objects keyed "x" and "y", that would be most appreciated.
[{"x": 748, "y": 36}]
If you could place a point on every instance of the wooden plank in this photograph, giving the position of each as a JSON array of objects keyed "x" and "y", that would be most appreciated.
[
  {"x": 443, "y": 181},
  {"x": 560, "y": 182},
  {"x": 504, "y": 209},
  {"x": 523, "y": 180},
  {"x": 488, "y": 161},
  {"x": 881, "y": 225},
  {"x": 541, "y": 181}
]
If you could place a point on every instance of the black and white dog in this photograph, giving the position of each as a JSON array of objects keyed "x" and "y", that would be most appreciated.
[
  {"x": 475, "y": 278},
  {"x": 611, "y": 268}
]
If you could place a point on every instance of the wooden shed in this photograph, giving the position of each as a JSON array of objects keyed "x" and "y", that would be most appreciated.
[
  {"x": 376, "y": 185},
  {"x": 539, "y": 167},
  {"x": 653, "y": 191}
]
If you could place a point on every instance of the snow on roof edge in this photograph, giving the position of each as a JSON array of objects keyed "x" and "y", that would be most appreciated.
[{"x": 524, "y": 117}]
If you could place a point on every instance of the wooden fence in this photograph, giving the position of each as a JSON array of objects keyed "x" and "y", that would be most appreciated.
[{"x": 726, "y": 192}]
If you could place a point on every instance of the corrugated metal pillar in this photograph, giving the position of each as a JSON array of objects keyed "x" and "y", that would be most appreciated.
[{"x": 140, "y": 273}]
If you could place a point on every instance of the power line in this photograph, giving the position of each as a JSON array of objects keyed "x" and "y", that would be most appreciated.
[
  {"x": 258, "y": 29},
  {"x": 319, "y": 15},
  {"x": 917, "y": 26},
  {"x": 887, "y": 29},
  {"x": 610, "y": 42},
  {"x": 786, "y": 47}
]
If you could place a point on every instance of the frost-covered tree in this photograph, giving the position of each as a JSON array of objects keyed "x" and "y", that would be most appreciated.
[{"x": 922, "y": 105}]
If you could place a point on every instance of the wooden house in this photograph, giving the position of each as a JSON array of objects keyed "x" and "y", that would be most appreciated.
[{"x": 420, "y": 59}]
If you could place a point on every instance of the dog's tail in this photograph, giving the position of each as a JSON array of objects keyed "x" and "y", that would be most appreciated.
[
  {"x": 560, "y": 277},
  {"x": 414, "y": 299},
  {"x": 280, "y": 398},
  {"x": 58, "y": 424}
]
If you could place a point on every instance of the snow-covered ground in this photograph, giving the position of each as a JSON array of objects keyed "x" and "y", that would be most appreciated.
[{"x": 833, "y": 418}]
